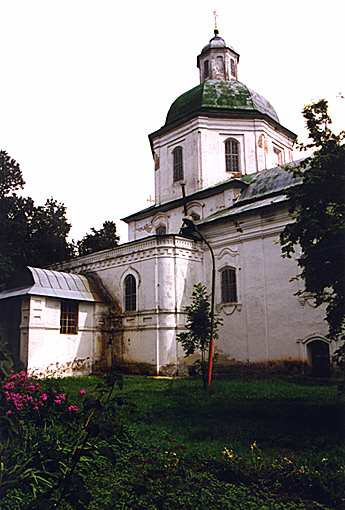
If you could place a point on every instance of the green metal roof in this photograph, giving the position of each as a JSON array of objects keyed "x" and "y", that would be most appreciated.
[{"x": 222, "y": 96}]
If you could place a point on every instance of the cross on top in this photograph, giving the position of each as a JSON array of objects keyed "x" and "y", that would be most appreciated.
[{"x": 215, "y": 19}]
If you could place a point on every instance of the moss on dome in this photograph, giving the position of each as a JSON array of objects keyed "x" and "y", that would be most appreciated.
[{"x": 219, "y": 95}]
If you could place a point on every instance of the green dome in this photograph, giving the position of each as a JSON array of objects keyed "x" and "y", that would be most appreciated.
[{"x": 222, "y": 96}]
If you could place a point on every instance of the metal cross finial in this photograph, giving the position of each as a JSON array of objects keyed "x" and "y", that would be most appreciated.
[{"x": 215, "y": 20}]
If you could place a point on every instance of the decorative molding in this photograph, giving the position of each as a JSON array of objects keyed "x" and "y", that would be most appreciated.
[
  {"x": 312, "y": 337},
  {"x": 228, "y": 308},
  {"x": 227, "y": 251}
]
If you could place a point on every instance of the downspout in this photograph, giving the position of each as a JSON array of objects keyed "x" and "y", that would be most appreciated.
[
  {"x": 157, "y": 312},
  {"x": 175, "y": 305}
]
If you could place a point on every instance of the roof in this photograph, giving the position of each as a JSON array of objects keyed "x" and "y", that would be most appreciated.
[
  {"x": 267, "y": 188},
  {"x": 268, "y": 182},
  {"x": 221, "y": 96},
  {"x": 43, "y": 282}
]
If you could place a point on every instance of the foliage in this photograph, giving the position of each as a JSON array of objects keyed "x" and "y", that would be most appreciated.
[
  {"x": 172, "y": 457},
  {"x": 98, "y": 240},
  {"x": 11, "y": 177},
  {"x": 29, "y": 234},
  {"x": 48, "y": 441},
  {"x": 198, "y": 326},
  {"x": 317, "y": 207}
]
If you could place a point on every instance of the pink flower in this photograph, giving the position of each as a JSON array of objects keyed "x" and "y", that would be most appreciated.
[
  {"x": 44, "y": 397},
  {"x": 9, "y": 413},
  {"x": 73, "y": 408},
  {"x": 57, "y": 401},
  {"x": 9, "y": 386},
  {"x": 82, "y": 392}
]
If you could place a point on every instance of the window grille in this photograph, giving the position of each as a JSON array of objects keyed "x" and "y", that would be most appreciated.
[
  {"x": 228, "y": 285},
  {"x": 232, "y": 163},
  {"x": 130, "y": 293},
  {"x": 178, "y": 163},
  {"x": 69, "y": 318}
]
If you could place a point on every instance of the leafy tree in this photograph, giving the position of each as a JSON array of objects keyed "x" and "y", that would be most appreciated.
[
  {"x": 29, "y": 234},
  {"x": 98, "y": 240},
  {"x": 11, "y": 177},
  {"x": 198, "y": 326},
  {"x": 317, "y": 207}
]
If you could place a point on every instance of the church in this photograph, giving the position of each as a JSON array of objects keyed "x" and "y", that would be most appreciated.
[{"x": 219, "y": 161}]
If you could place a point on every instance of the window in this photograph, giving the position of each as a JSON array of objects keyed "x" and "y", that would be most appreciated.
[
  {"x": 233, "y": 67},
  {"x": 232, "y": 163},
  {"x": 206, "y": 69},
  {"x": 228, "y": 285},
  {"x": 130, "y": 293},
  {"x": 178, "y": 163},
  {"x": 161, "y": 230},
  {"x": 69, "y": 318},
  {"x": 278, "y": 155}
]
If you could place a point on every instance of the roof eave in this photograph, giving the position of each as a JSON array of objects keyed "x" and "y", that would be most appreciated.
[{"x": 209, "y": 112}]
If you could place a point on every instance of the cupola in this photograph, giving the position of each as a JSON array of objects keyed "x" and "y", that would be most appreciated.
[{"x": 217, "y": 61}]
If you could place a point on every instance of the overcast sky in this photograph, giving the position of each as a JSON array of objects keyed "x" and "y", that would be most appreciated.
[{"x": 83, "y": 82}]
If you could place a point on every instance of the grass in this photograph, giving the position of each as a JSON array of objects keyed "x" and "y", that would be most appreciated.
[{"x": 286, "y": 420}]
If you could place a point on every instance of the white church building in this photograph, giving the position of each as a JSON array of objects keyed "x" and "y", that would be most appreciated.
[{"x": 225, "y": 145}]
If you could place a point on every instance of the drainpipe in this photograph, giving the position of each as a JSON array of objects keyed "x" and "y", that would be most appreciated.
[{"x": 157, "y": 313}]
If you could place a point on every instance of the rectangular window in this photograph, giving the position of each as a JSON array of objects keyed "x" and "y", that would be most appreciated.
[
  {"x": 69, "y": 317},
  {"x": 228, "y": 285}
]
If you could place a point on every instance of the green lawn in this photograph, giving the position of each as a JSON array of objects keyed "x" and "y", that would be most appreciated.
[{"x": 180, "y": 433}]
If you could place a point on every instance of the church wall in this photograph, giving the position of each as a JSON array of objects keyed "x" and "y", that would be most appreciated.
[
  {"x": 202, "y": 140},
  {"x": 172, "y": 219},
  {"x": 269, "y": 322},
  {"x": 48, "y": 350},
  {"x": 165, "y": 269}
]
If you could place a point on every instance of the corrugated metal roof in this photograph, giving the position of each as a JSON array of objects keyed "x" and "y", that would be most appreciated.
[
  {"x": 232, "y": 211},
  {"x": 54, "y": 284}
]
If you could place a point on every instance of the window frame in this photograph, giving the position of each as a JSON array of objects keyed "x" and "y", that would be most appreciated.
[
  {"x": 178, "y": 173},
  {"x": 228, "y": 285},
  {"x": 232, "y": 158},
  {"x": 130, "y": 295},
  {"x": 69, "y": 317}
]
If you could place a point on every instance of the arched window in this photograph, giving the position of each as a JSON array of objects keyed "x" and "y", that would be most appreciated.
[
  {"x": 161, "y": 230},
  {"x": 232, "y": 155},
  {"x": 130, "y": 293},
  {"x": 228, "y": 285},
  {"x": 319, "y": 358},
  {"x": 178, "y": 163},
  {"x": 206, "y": 69}
]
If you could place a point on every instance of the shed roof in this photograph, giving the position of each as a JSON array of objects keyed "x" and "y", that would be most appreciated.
[{"x": 44, "y": 282}]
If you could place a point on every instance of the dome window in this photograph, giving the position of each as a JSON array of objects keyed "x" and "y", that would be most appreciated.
[
  {"x": 206, "y": 69},
  {"x": 233, "y": 68},
  {"x": 178, "y": 163},
  {"x": 232, "y": 155}
]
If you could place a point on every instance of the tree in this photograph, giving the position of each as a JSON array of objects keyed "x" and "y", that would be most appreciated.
[
  {"x": 29, "y": 234},
  {"x": 98, "y": 240},
  {"x": 11, "y": 177},
  {"x": 198, "y": 326},
  {"x": 317, "y": 207}
]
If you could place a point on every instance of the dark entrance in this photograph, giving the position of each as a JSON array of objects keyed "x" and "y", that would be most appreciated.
[{"x": 319, "y": 358}]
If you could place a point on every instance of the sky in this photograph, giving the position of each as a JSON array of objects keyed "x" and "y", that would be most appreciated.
[{"x": 83, "y": 83}]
